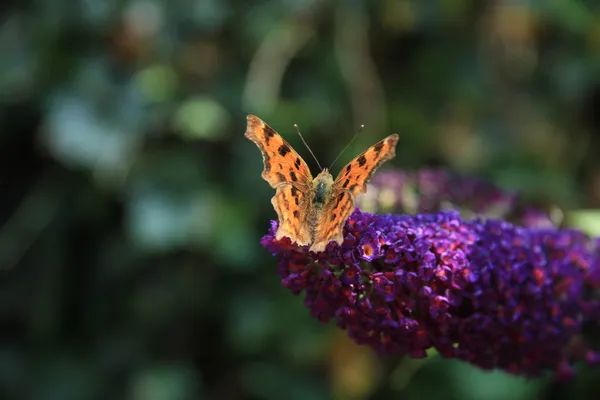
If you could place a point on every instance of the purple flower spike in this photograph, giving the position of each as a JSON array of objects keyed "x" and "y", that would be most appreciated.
[{"x": 484, "y": 291}]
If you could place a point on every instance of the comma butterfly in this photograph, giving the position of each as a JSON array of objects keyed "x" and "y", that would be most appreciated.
[{"x": 313, "y": 211}]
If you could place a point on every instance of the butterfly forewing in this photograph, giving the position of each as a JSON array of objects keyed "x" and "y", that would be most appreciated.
[
  {"x": 281, "y": 162},
  {"x": 357, "y": 173}
]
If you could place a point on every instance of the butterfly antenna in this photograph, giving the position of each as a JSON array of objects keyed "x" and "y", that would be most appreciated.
[
  {"x": 348, "y": 145},
  {"x": 304, "y": 141}
]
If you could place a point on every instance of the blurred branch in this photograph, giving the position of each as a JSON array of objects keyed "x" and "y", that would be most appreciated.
[
  {"x": 358, "y": 69},
  {"x": 510, "y": 54},
  {"x": 261, "y": 92},
  {"x": 26, "y": 224},
  {"x": 397, "y": 374}
]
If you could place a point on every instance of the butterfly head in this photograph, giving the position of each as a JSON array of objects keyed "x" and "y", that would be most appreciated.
[{"x": 322, "y": 186}]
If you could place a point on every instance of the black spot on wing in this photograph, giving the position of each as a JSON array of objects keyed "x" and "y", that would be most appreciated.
[
  {"x": 346, "y": 183},
  {"x": 378, "y": 147},
  {"x": 362, "y": 160},
  {"x": 282, "y": 198},
  {"x": 269, "y": 132},
  {"x": 293, "y": 176},
  {"x": 348, "y": 169},
  {"x": 294, "y": 193},
  {"x": 332, "y": 217},
  {"x": 283, "y": 150},
  {"x": 281, "y": 176},
  {"x": 296, "y": 214},
  {"x": 297, "y": 163}
]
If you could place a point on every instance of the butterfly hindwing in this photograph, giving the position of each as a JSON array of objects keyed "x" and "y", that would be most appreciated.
[
  {"x": 293, "y": 211},
  {"x": 332, "y": 219}
]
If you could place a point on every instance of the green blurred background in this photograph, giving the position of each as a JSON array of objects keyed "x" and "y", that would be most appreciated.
[{"x": 131, "y": 206}]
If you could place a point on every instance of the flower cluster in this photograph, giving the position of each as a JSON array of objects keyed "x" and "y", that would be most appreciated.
[
  {"x": 433, "y": 190},
  {"x": 484, "y": 291}
]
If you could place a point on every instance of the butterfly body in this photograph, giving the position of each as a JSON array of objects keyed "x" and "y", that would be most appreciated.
[
  {"x": 313, "y": 211},
  {"x": 322, "y": 186}
]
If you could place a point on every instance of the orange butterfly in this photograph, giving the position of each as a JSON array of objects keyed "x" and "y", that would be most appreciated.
[{"x": 313, "y": 211}]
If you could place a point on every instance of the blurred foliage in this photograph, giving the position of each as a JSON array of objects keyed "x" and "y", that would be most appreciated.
[{"x": 132, "y": 206}]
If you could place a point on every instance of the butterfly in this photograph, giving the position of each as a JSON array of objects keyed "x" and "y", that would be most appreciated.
[{"x": 313, "y": 211}]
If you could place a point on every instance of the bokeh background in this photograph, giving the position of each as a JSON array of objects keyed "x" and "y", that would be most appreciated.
[{"x": 131, "y": 206}]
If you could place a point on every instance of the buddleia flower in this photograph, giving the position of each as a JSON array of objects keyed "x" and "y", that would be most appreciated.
[{"x": 483, "y": 290}]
